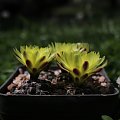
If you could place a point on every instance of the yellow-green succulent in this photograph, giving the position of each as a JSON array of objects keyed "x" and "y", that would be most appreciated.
[
  {"x": 69, "y": 47},
  {"x": 75, "y": 58},
  {"x": 81, "y": 64},
  {"x": 33, "y": 57}
]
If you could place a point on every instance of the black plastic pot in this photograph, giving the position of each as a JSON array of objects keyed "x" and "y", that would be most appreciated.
[{"x": 55, "y": 107}]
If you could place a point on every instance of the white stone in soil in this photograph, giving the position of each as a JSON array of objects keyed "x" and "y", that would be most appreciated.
[
  {"x": 118, "y": 81},
  {"x": 57, "y": 72},
  {"x": 101, "y": 79},
  {"x": 104, "y": 84}
]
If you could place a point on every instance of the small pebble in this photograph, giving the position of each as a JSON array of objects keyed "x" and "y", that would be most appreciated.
[
  {"x": 118, "y": 81},
  {"x": 26, "y": 72},
  {"x": 20, "y": 70},
  {"x": 8, "y": 93},
  {"x": 33, "y": 84},
  {"x": 19, "y": 85},
  {"x": 11, "y": 86},
  {"x": 42, "y": 77},
  {"x": 54, "y": 81},
  {"x": 57, "y": 72},
  {"x": 104, "y": 84},
  {"x": 42, "y": 72},
  {"x": 94, "y": 77},
  {"x": 27, "y": 77},
  {"x": 101, "y": 79},
  {"x": 17, "y": 80}
]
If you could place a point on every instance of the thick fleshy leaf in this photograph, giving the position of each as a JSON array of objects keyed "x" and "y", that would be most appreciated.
[
  {"x": 85, "y": 65},
  {"x": 81, "y": 64},
  {"x": 73, "y": 47},
  {"x": 33, "y": 57}
]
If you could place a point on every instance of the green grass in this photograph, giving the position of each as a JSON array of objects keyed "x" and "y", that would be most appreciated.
[{"x": 103, "y": 36}]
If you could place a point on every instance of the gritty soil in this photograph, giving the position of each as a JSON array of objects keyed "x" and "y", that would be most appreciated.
[{"x": 58, "y": 82}]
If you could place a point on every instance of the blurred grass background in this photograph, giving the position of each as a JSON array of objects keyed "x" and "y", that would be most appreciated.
[{"x": 66, "y": 21}]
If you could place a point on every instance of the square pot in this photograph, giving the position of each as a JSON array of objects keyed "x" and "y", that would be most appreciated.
[{"x": 56, "y": 107}]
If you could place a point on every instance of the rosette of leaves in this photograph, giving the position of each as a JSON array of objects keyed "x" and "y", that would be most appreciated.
[
  {"x": 34, "y": 58},
  {"x": 81, "y": 65},
  {"x": 73, "y": 47}
]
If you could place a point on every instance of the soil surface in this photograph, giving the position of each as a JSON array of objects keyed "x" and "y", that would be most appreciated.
[{"x": 58, "y": 82}]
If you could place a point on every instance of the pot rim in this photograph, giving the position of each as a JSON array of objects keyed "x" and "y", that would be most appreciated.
[{"x": 86, "y": 95}]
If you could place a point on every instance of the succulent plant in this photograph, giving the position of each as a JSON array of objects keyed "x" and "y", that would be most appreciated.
[
  {"x": 73, "y": 47},
  {"x": 75, "y": 58},
  {"x": 81, "y": 64},
  {"x": 33, "y": 57}
]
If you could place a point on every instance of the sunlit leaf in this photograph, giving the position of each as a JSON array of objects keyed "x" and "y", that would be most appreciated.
[
  {"x": 105, "y": 117},
  {"x": 33, "y": 57}
]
